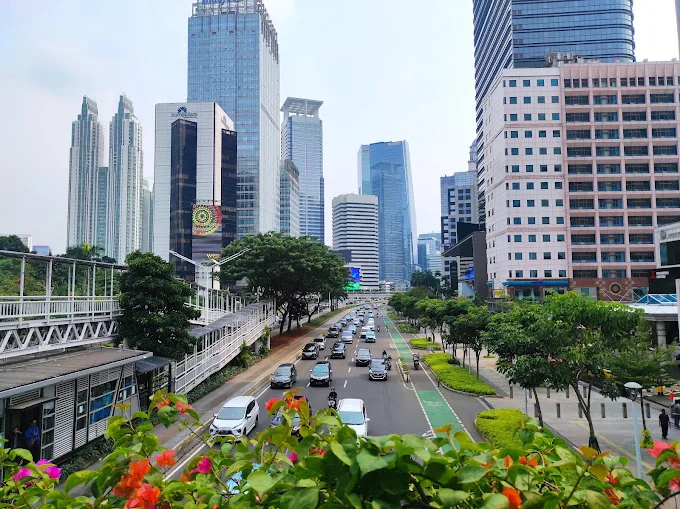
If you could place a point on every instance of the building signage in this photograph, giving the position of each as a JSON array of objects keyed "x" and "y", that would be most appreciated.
[
  {"x": 669, "y": 233},
  {"x": 183, "y": 113},
  {"x": 224, "y": 122}
]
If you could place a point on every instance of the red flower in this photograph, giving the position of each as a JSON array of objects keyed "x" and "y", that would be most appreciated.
[
  {"x": 611, "y": 479},
  {"x": 270, "y": 403},
  {"x": 612, "y": 496},
  {"x": 184, "y": 477},
  {"x": 127, "y": 486},
  {"x": 507, "y": 462},
  {"x": 183, "y": 407},
  {"x": 163, "y": 403},
  {"x": 659, "y": 447},
  {"x": 674, "y": 484},
  {"x": 294, "y": 404},
  {"x": 523, "y": 460},
  {"x": 203, "y": 466},
  {"x": 513, "y": 497},
  {"x": 145, "y": 497},
  {"x": 533, "y": 462},
  {"x": 166, "y": 458},
  {"x": 140, "y": 468}
]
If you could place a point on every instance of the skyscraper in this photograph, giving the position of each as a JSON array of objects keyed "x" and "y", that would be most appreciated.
[
  {"x": 429, "y": 252},
  {"x": 102, "y": 206},
  {"x": 234, "y": 61},
  {"x": 302, "y": 142},
  {"x": 87, "y": 149},
  {"x": 289, "y": 199},
  {"x": 385, "y": 171},
  {"x": 147, "y": 217},
  {"x": 126, "y": 162},
  {"x": 355, "y": 235},
  {"x": 520, "y": 33}
]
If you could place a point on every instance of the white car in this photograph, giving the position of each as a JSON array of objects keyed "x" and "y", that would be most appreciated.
[
  {"x": 353, "y": 414},
  {"x": 239, "y": 416},
  {"x": 347, "y": 336}
]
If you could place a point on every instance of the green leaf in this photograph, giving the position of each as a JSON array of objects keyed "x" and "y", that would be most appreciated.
[
  {"x": 471, "y": 473},
  {"x": 355, "y": 500},
  {"x": 369, "y": 462},
  {"x": 78, "y": 478},
  {"x": 21, "y": 453},
  {"x": 167, "y": 415},
  {"x": 341, "y": 454},
  {"x": 238, "y": 467},
  {"x": 451, "y": 498},
  {"x": 301, "y": 498},
  {"x": 599, "y": 470},
  {"x": 496, "y": 501},
  {"x": 667, "y": 476},
  {"x": 260, "y": 481},
  {"x": 596, "y": 500}
]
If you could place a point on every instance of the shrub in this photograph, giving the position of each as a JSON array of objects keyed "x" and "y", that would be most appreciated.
[
  {"x": 407, "y": 328},
  {"x": 456, "y": 377},
  {"x": 424, "y": 344},
  {"x": 500, "y": 426}
]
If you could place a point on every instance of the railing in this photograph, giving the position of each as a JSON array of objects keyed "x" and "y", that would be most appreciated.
[{"x": 29, "y": 310}]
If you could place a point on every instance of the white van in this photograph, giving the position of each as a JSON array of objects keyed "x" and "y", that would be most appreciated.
[{"x": 371, "y": 324}]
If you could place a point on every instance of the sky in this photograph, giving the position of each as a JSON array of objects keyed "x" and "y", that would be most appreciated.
[{"x": 386, "y": 70}]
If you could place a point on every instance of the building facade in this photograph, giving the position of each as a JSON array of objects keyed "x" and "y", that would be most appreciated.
[
  {"x": 356, "y": 231},
  {"x": 147, "y": 217},
  {"x": 430, "y": 252},
  {"x": 102, "y": 206},
  {"x": 459, "y": 195},
  {"x": 385, "y": 172},
  {"x": 87, "y": 152},
  {"x": 194, "y": 211},
  {"x": 290, "y": 199},
  {"x": 302, "y": 142},
  {"x": 583, "y": 165},
  {"x": 234, "y": 61},
  {"x": 521, "y": 33}
]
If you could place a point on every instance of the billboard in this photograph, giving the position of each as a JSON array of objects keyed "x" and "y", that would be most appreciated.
[
  {"x": 206, "y": 232},
  {"x": 354, "y": 279}
]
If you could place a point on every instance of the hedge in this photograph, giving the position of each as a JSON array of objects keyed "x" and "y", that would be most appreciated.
[
  {"x": 500, "y": 426},
  {"x": 407, "y": 328},
  {"x": 456, "y": 377},
  {"x": 424, "y": 344}
]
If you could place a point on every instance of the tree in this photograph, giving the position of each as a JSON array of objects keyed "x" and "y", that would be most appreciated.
[
  {"x": 155, "y": 317},
  {"x": 12, "y": 243},
  {"x": 470, "y": 326},
  {"x": 287, "y": 270},
  {"x": 426, "y": 279},
  {"x": 453, "y": 308}
]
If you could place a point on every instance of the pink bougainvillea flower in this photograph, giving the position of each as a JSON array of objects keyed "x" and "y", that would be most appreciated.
[
  {"x": 292, "y": 457},
  {"x": 674, "y": 484},
  {"x": 53, "y": 471},
  {"x": 43, "y": 462},
  {"x": 203, "y": 466},
  {"x": 182, "y": 407},
  {"x": 23, "y": 472},
  {"x": 658, "y": 448}
]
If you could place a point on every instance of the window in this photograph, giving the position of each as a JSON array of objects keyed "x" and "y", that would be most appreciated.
[
  {"x": 553, "y": 83},
  {"x": 663, "y": 115},
  {"x": 530, "y": 203},
  {"x": 581, "y": 204},
  {"x": 558, "y": 185},
  {"x": 576, "y": 100},
  {"x": 516, "y": 220},
  {"x": 544, "y": 185},
  {"x": 544, "y": 168},
  {"x": 532, "y": 238},
  {"x": 575, "y": 117},
  {"x": 528, "y": 134},
  {"x": 556, "y": 133},
  {"x": 665, "y": 150},
  {"x": 606, "y": 134},
  {"x": 527, "y": 99},
  {"x": 128, "y": 389},
  {"x": 665, "y": 167},
  {"x": 532, "y": 256},
  {"x": 514, "y": 134},
  {"x": 519, "y": 273},
  {"x": 579, "y": 152},
  {"x": 545, "y": 220},
  {"x": 582, "y": 222},
  {"x": 604, "y": 99},
  {"x": 560, "y": 237},
  {"x": 543, "y": 151},
  {"x": 557, "y": 150},
  {"x": 662, "y": 98},
  {"x": 518, "y": 256},
  {"x": 633, "y": 99},
  {"x": 527, "y": 116},
  {"x": 557, "y": 167},
  {"x": 541, "y": 99},
  {"x": 555, "y": 116},
  {"x": 559, "y": 220},
  {"x": 637, "y": 185},
  {"x": 547, "y": 273},
  {"x": 516, "y": 203},
  {"x": 609, "y": 185},
  {"x": 530, "y": 185},
  {"x": 513, "y": 117},
  {"x": 578, "y": 134},
  {"x": 666, "y": 185},
  {"x": 533, "y": 273},
  {"x": 540, "y": 83},
  {"x": 526, "y": 83},
  {"x": 634, "y": 116},
  {"x": 531, "y": 220},
  {"x": 513, "y": 100},
  {"x": 102, "y": 401},
  {"x": 665, "y": 132},
  {"x": 608, "y": 169},
  {"x": 513, "y": 83},
  {"x": 555, "y": 99},
  {"x": 634, "y": 133},
  {"x": 579, "y": 187},
  {"x": 610, "y": 203},
  {"x": 610, "y": 151},
  {"x": 562, "y": 273},
  {"x": 541, "y": 116},
  {"x": 561, "y": 255},
  {"x": 81, "y": 409},
  {"x": 515, "y": 168},
  {"x": 542, "y": 134},
  {"x": 517, "y": 238},
  {"x": 606, "y": 116},
  {"x": 529, "y": 168},
  {"x": 528, "y": 151},
  {"x": 514, "y": 151},
  {"x": 583, "y": 239},
  {"x": 668, "y": 203},
  {"x": 559, "y": 202},
  {"x": 515, "y": 186},
  {"x": 545, "y": 203},
  {"x": 546, "y": 238}
]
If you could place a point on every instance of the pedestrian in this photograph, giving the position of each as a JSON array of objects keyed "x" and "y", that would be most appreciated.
[
  {"x": 33, "y": 439},
  {"x": 675, "y": 413},
  {"x": 664, "y": 420},
  {"x": 17, "y": 438}
]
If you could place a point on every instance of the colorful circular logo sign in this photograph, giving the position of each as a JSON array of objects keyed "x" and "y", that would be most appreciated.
[{"x": 206, "y": 220}]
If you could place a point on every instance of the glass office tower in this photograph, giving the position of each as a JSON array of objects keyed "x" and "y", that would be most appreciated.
[
  {"x": 385, "y": 172},
  {"x": 234, "y": 61}
]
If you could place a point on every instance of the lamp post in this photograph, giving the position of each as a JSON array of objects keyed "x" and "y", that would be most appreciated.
[
  {"x": 633, "y": 388},
  {"x": 208, "y": 272}
]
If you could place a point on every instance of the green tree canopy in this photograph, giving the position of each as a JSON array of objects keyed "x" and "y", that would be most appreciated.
[
  {"x": 426, "y": 279},
  {"x": 12, "y": 243},
  {"x": 469, "y": 328},
  {"x": 155, "y": 317}
]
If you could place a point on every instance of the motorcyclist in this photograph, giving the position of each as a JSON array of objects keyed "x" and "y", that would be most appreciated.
[
  {"x": 416, "y": 360},
  {"x": 333, "y": 398},
  {"x": 378, "y": 328},
  {"x": 389, "y": 362},
  {"x": 384, "y": 355}
]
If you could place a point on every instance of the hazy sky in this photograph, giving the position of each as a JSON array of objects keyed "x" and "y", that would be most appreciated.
[{"x": 385, "y": 69}]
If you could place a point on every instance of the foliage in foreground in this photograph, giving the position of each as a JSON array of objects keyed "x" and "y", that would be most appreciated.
[
  {"x": 424, "y": 344},
  {"x": 331, "y": 467},
  {"x": 500, "y": 426},
  {"x": 456, "y": 377}
]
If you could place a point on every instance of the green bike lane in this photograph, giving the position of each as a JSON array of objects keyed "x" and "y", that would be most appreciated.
[{"x": 437, "y": 410}]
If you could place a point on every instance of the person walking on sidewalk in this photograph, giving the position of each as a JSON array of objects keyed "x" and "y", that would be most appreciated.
[
  {"x": 664, "y": 420},
  {"x": 675, "y": 413}
]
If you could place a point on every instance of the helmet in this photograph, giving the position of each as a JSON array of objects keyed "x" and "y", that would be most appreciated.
[{"x": 332, "y": 389}]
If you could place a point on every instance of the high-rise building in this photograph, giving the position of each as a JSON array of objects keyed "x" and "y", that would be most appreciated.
[
  {"x": 290, "y": 198},
  {"x": 385, "y": 172},
  {"x": 194, "y": 184},
  {"x": 234, "y": 61},
  {"x": 430, "y": 252},
  {"x": 102, "y": 207},
  {"x": 584, "y": 166},
  {"x": 126, "y": 164},
  {"x": 147, "y": 217},
  {"x": 302, "y": 142},
  {"x": 677, "y": 19},
  {"x": 521, "y": 33},
  {"x": 355, "y": 235},
  {"x": 87, "y": 151}
]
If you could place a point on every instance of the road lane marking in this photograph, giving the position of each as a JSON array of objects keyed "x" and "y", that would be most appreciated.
[
  {"x": 352, "y": 359},
  {"x": 350, "y": 369},
  {"x": 344, "y": 386},
  {"x": 308, "y": 383}
]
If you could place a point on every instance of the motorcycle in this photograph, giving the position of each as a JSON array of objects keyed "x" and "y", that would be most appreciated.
[
  {"x": 333, "y": 403},
  {"x": 416, "y": 362},
  {"x": 389, "y": 363},
  {"x": 378, "y": 328}
]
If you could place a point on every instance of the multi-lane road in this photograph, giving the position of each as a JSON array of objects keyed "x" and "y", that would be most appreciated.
[{"x": 393, "y": 406}]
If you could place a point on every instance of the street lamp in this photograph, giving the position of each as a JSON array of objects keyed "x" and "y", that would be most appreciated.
[
  {"x": 209, "y": 270},
  {"x": 633, "y": 388}
]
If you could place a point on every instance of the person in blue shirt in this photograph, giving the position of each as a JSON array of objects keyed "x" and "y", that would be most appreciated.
[{"x": 32, "y": 436}]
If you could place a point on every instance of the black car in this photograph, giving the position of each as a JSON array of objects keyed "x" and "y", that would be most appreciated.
[
  {"x": 363, "y": 357},
  {"x": 284, "y": 376},
  {"x": 339, "y": 351},
  {"x": 310, "y": 351},
  {"x": 321, "y": 374},
  {"x": 377, "y": 370},
  {"x": 333, "y": 332}
]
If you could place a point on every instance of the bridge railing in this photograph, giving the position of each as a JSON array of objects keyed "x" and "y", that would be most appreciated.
[{"x": 42, "y": 309}]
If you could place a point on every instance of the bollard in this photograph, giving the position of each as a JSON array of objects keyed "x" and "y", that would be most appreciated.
[
  {"x": 580, "y": 411},
  {"x": 624, "y": 407},
  {"x": 511, "y": 392},
  {"x": 648, "y": 411},
  {"x": 567, "y": 392},
  {"x": 602, "y": 406},
  {"x": 585, "y": 391},
  {"x": 559, "y": 412},
  {"x": 536, "y": 410},
  {"x": 547, "y": 391}
]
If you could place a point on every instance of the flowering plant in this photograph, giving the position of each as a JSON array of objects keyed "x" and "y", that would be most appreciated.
[{"x": 329, "y": 466}]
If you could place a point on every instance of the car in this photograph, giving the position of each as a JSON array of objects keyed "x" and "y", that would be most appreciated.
[
  {"x": 365, "y": 329},
  {"x": 347, "y": 336},
  {"x": 353, "y": 414},
  {"x": 238, "y": 417},
  {"x": 339, "y": 351},
  {"x": 356, "y": 322},
  {"x": 363, "y": 357},
  {"x": 371, "y": 315},
  {"x": 310, "y": 351},
  {"x": 321, "y": 374},
  {"x": 284, "y": 376},
  {"x": 370, "y": 337},
  {"x": 377, "y": 370},
  {"x": 343, "y": 322},
  {"x": 321, "y": 341},
  {"x": 333, "y": 332},
  {"x": 353, "y": 329},
  {"x": 278, "y": 418},
  {"x": 348, "y": 317}
]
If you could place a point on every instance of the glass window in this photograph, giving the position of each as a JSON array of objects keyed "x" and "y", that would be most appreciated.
[
  {"x": 518, "y": 256},
  {"x": 562, "y": 273},
  {"x": 527, "y": 99},
  {"x": 546, "y": 237},
  {"x": 547, "y": 273},
  {"x": 540, "y": 83},
  {"x": 526, "y": 83},
  {"x": 529, "y": 168},
  {"x": 528, "y": 134},
  {"x": 531, "y": 220},
  {"x": 559, "y": 220},
  {"x": 515, "y": 168},
  {"x": 514, "y": 134},
  {"x": 519, "y": 273},
  {"x": 514, "y": 151},
  {"x": 555, "y": 99},
  {"x": 542, "y": 134},
  {"x": 101, "y": 401},
  {"x": 541, "y": 99},
  {"x": 516, "y": 220},
  {"x": 513, "y": 83},
  {"x": 530, "y": 185},
  {"x": 559, "y": 202},
  {"x": 516, "y": 203},
  {"x": 545, "y": 220},
  {"x": 544, "y": 185},
  {"x": 515, "y": 185},
  {"x": 543, "y": 151},
  {"x": 533, "y": 273},
  {"x": 558, "y": 185},
  {"x": 547, "y": 255},
  {"x": 530, "y": 203},
  {"x": 556, "y": 133},
  {"x": 541, "y": 116},
  {"x": 528, "y": 151},
  {"x": 532, "y": 256},
  {"x": 532, "y": 238},
  {"x": 518, "y": 238},
  {"x": 513, "y": 117},
  {"x": 560, "y": 237},
  {"x": 527, "y": 116},
  {"x": 555, "y": 116},
  {"x": 544, "y": 168},
  {"x": 513, "y": 100},
  {"x": 553, "y": 82}
]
